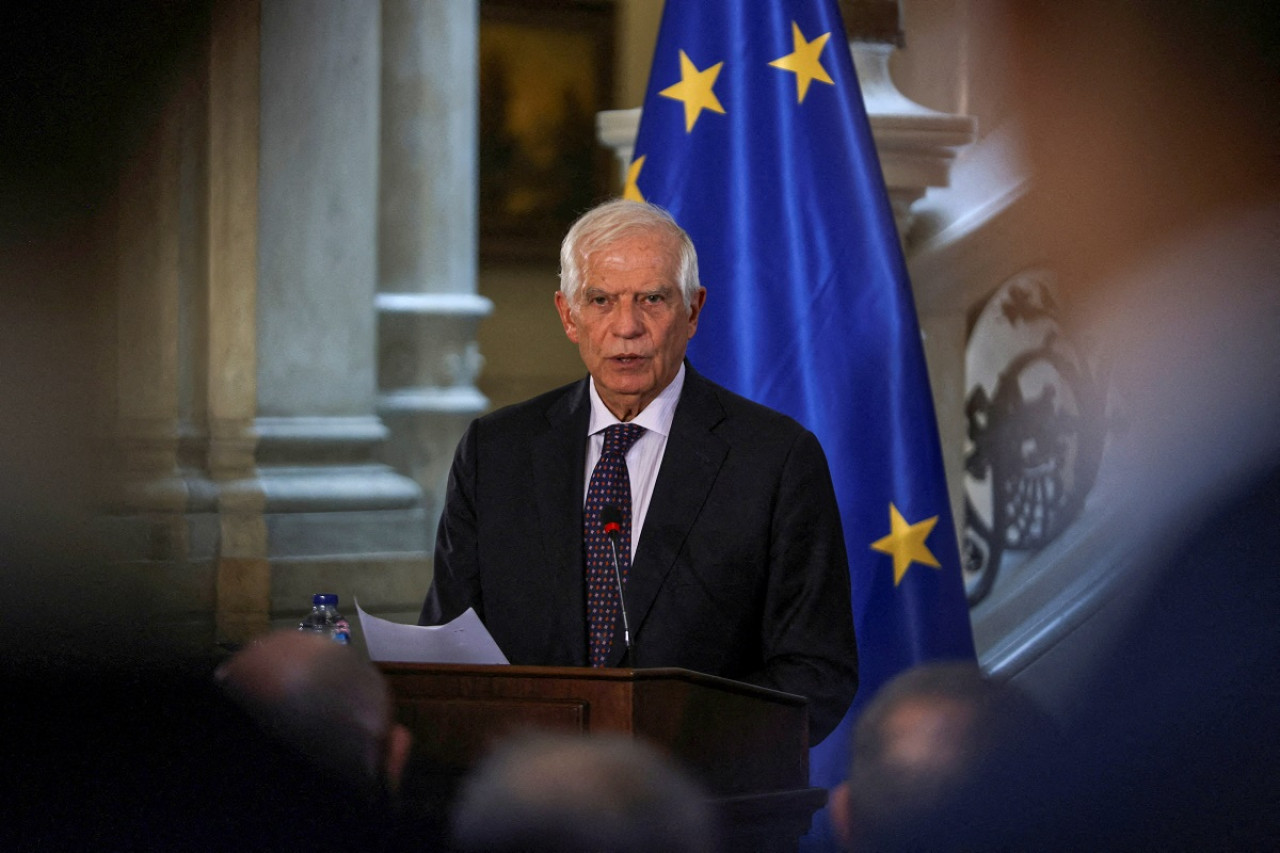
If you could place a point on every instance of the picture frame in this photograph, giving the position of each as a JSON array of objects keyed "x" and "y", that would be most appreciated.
[{"x": 546, "y": 69}]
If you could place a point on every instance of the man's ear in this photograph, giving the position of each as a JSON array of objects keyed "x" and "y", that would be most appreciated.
[
  {"x": 841, "y": 814},
  {"x": 695, "y": 309},
  {"x": 567, "y": 320}
]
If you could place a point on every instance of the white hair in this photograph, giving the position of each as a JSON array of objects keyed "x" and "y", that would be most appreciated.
[{"x": 606, "y": 224}]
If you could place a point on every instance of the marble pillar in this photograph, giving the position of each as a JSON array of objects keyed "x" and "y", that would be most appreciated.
[
  {"x": 427, "y": 306},
  {"x": 336, "y": 516},
  {"x": 229, "y": 366}
]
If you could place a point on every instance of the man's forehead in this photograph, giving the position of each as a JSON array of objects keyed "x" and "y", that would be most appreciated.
[
  {"x": 654, "y": 244},
  {"x": 645, "y": 259}
]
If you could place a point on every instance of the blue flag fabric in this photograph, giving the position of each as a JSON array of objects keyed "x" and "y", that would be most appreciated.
[{"x": 755, "y": 137}]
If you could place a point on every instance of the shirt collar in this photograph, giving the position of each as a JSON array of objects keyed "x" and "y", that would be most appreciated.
[{"x": 655, "y": 417}]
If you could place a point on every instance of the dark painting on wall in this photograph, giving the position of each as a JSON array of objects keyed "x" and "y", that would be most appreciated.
[{"x": 545, "y": 71}]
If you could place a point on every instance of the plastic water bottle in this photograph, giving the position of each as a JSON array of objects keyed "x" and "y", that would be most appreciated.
[{"x": 324, "y": 619}]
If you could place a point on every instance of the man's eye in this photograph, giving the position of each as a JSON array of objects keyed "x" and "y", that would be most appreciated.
[{"x": 654, "y": 298}]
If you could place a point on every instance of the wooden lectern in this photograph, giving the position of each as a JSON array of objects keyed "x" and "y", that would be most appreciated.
[{"x": 749, "y": 746}]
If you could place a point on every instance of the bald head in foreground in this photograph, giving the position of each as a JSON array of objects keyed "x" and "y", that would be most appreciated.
[
  {"x": 940, "y": 756},
  {"x": 324, "y": 701},
  {"x": 568, "y": 793}
]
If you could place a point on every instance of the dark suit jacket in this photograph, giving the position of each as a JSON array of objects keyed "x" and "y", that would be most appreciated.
[{"x": 740, "y": 571}]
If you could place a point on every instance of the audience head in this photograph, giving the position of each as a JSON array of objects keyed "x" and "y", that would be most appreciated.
[
  {"x": 324, "y": 701},
  {"x": 605, "y": 225},
  {"x": 604, "y": 793},
  {"x": 935, "y": 756},
  {"x": 156, "y": 756}
]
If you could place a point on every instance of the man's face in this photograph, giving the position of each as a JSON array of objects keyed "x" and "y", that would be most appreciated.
[{"x": 630, "y": 323}]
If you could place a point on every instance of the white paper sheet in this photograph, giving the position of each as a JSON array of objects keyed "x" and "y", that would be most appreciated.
[{"x": 464, "y": 640}]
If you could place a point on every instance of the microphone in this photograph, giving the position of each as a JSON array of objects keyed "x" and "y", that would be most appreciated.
[{"x": 611, "y": 521}]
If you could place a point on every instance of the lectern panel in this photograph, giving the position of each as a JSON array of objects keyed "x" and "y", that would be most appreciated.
[
  {"x": 748, "y": 745},
  {"x": 456, "y": 732}
]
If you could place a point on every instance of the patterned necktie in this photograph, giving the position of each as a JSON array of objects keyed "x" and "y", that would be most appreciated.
[{"x": 610, "y": 486}]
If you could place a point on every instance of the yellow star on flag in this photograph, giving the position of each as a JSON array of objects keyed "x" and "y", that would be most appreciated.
[
  {"x": 631, "y": 189},
  {"x": 804, "y": 61},
  {"x": 694, "y": 89},
  {"x": 905, "y": 543}
]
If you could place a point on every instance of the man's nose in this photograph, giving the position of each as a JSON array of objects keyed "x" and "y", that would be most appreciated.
[{"x": 626, "y": 319}]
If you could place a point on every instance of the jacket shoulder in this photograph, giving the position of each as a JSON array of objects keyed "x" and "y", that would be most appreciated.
[
  {"x": 535, "y": 413},
  {"x": 735, "y": 412}
]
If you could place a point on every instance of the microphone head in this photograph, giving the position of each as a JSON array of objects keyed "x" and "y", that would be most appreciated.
[{"x": 611, "y": 519}]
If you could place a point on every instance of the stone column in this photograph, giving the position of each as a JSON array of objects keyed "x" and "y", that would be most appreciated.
[
  {"x": 148, "y": 254},
  {"x": 428, "y": 308},
  {"x": 161, "y": 520},
  {"x": 336, "y": 517},
  {"x": 243, "y": 570}
]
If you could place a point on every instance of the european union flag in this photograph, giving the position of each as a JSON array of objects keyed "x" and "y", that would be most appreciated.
[{"x": 755, "y": 137}]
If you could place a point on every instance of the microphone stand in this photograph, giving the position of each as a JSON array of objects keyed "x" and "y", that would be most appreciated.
[{"x": 609, "y": 517}]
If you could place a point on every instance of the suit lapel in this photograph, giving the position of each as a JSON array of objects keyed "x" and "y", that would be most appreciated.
[
  {"x": 559, "y": 456},
  {"x": 689, "y": 467}
]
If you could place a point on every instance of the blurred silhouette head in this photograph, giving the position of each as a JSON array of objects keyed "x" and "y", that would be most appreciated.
[
  {"x": 938, "y": 755},
  {"x": 324, "y": 701},
  {"x": 542, "y": 792}
]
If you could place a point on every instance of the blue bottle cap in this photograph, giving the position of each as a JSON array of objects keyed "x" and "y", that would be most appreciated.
[{"x": 320, "y": 599}]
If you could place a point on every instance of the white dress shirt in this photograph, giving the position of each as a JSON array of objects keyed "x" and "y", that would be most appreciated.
[{"x": 645, "y": 456}]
